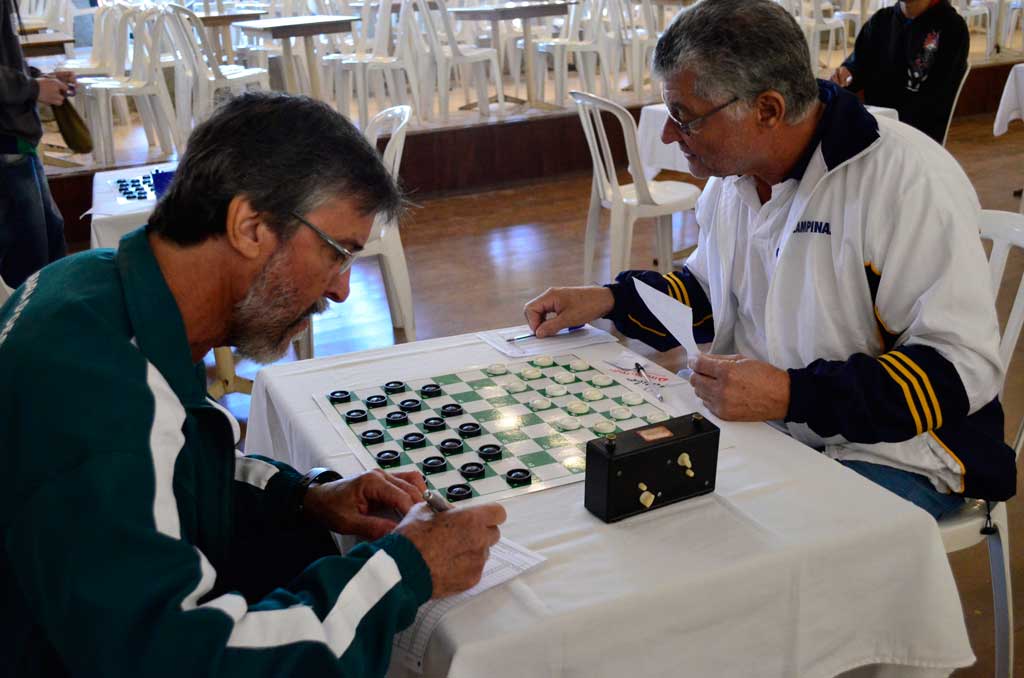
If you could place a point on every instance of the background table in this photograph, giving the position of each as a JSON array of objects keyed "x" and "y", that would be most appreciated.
[
  {"x": 1011, "y": 105},
  {"x": 45, "y": 44},
  {"x": 304, "y": 27},
  {"x": 110, "y": 219},
  {"x": 795, "y": 566},
  {"x": 656, "y": 156}
]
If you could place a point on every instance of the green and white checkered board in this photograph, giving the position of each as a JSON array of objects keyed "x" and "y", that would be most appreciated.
[{"x": 529, "y": 439}]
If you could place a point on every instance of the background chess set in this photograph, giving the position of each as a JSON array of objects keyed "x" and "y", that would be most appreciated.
[{"x": 529, "y": 438}]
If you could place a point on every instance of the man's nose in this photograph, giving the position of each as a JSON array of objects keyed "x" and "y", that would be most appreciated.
[{"x": 339, "y": 288}]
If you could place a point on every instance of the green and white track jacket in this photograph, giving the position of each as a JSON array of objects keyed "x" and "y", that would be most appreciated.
[{"x": 135, "y": 540}]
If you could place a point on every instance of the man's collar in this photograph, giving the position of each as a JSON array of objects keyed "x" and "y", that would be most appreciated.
[
  {"x": 156, "y": 319},
  {"x": 844, "y": 130}
]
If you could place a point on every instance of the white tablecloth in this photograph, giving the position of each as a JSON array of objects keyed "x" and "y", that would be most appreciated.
[
  {"x": 793, "y": 567},
  {"x": 1011, "y": 105},
  {"x": 656, "y": 156},
  {"x": 110, "y": 219}
]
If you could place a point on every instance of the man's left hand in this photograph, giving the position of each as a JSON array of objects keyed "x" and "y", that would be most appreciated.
[
  {"x": 737, "y": 388},
  {"x": 358, "y": 505}
]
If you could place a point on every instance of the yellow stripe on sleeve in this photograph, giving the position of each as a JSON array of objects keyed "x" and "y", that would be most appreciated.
[
  {"x": 645, "y": 327},
  {"x": 963, "y": 471},
  {"x": 673, "y": 289},
  {"x": 924, "y": 380},
  {"x": 917, "y": 388},
  {"x": 906, "y": 394},
  {"x": 682, "y": 288}
]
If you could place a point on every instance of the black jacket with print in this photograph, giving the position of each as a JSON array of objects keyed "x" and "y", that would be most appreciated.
[{"x": 912, "y": 65}]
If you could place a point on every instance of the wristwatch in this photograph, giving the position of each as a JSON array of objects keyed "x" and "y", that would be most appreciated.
[{"x": 318, "y": 476}]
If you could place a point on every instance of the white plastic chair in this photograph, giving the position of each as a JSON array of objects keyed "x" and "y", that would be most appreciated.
[
  {"x": 198, "y": 74},
  {"x": 974, "y": 10},
  {"x": 447, "y": 53},
  {"x": 1013, "y": 20},
  {"x": 145, "y": 84},
  {"x": 584, "y": 39},
  {"x": 380, "y": 58},
  {"x": 641, "y": 199},
  {"x": 964, "y": 529},
  {"x": 956, "y": 98},
  {"x": 384, "y": 241},
  {"x": 632, "y": 31}
]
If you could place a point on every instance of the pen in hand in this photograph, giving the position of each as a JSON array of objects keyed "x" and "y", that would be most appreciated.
[{"x": 436, "y": 502}]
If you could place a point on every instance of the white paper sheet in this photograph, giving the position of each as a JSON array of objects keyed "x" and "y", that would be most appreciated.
[
  {"x": 560, "y": 343},
  {"x": 676, "y": 317},
  {"x": 507, "y": 560}
]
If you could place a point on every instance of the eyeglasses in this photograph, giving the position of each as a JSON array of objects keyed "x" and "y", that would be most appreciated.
[
  {"x": 345, "y": 256},
  {"x": 690, "y": 127}
]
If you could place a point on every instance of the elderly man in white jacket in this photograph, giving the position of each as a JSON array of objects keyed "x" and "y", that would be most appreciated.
[{"x": 839, "y": 276}]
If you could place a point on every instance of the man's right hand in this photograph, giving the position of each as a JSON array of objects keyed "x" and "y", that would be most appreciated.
[
  {"x": 454, "y": 544},
  {"x": 568, "y": 307},
  {"x": 842, "y": 76},
  {"x": 51, "y": 91}
]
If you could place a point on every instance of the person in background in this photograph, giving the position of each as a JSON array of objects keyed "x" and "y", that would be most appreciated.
[
  {"x": 31, "y": 226},
  {"x": 911, "y": 57}
]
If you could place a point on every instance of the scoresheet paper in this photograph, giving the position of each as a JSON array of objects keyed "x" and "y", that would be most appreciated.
[
  {"x": 677, "y": 318},
  {"x": 507, "y": 560},
  {"x": 563, "y": 342}
]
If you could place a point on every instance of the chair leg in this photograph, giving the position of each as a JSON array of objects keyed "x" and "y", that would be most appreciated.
[
  {"x": 561, "y": 69},
  {"x": 663, "y": 243},
  {"x": 1002, "y": 592},
  {"x": 619, "y": 232},
  {"x": 362, "y": 95},
  {"x": 397, "y": 286},
  {"x": 483, "y": 99},
  {"x": 590, "y": 235},
  {"x": 343, "y": 90},
  {"x": 443, "y": 80},
  {"x": 146, "y": 115},
  {"x": 498, "y": 89}
]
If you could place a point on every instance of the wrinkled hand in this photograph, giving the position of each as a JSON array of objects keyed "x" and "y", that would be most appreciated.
[
  {"x": 737, "y": 388},
  {"x": 568, "y": 306},
  {"x": 842, "y": 76},
  {"x": 454, "y": 544},
  {"x": 348, "y": 506},
  {"x": 67, "y": 77},
  {"x": 51, "y": 91}
]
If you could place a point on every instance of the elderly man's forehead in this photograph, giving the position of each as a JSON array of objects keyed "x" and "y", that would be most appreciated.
[{"x": 678, "y": 90}]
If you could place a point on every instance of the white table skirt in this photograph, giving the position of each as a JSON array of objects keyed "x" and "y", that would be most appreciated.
[
  {"x": 111, "y": 220},
  {"x": 656, "y": 156},
  {"x": 1011, "y": 105},
  {"x": 795, "y": 566}
]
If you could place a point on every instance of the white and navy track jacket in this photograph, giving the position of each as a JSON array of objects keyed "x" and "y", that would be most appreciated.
[
  {"x": 134, "y": 540},
  {"x": 880, "y": 307}
]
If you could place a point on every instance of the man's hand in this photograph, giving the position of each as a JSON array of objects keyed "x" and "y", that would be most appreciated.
[
  {"x": 349, "y": 506},
  {"x": 51, "y": 91},
  {"x": 454, "y": 544},
  {"x": 842, "y": 76},
  {"x": 569, "y": 305},
  {"x": 737, "y": 388},
  {"x": 67, "y": 77}
]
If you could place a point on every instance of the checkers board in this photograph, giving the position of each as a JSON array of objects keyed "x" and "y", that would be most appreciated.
[{"x": 483, "y": 429}]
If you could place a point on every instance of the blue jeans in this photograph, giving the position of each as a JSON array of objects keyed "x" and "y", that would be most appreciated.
[
  {"x": 31, "y": 227},
  {"x": 913, "y": 487}
]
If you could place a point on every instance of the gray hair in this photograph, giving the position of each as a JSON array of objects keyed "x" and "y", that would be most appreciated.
[
  {"x": 285, "y": 154},
  {"x": 740, "y": 48}
]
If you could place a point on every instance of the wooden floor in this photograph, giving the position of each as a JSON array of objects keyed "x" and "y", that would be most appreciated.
[{"x": 475, "y": 259}]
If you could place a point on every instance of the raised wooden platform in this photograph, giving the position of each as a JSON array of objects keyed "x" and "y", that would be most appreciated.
[{"x": 476, "y": 157}]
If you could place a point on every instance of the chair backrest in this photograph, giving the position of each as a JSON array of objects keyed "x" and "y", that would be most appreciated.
[
  {"x": 1006, "y": 231},
  {"x": 391, "y": 121},
  {"x": 431, "y": 19},
  {"x": 147, "y": 38},
  {"x": 590, "y": 107},
  {"x": 956, "y": 98},
  {"x": 192, "y": 43}
]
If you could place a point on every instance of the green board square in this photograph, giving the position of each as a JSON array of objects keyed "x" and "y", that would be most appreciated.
[
  {"x": 481, "y": 383},
  {"x": 487, "y": 415},
  {"x": 503, "y": 401},
  {"x": 445, "y": 379},
  {"x": 508, "y": 437},
  {"x": 535, "y": 459},
  {"x": 549, "y": 442},
  {"x": 529, "y": 419},
  {"x": 465, "y": 396}
]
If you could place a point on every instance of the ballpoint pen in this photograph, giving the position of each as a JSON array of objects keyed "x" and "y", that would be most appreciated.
[
  {"x": 647, "y": 381},
  {"x": 520, "y": 337},
  {"x": 436, "y": 502}
]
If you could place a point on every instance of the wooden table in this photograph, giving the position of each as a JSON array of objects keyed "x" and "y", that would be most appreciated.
[
  {"x": 304, "y": 27},
  {"x": 218, "y": 23},
  {"x": 44, "y": 44},
  {"x": 516, "y": 10}
]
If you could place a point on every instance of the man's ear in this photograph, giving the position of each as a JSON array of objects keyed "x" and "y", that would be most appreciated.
[
  {"x": 245, "y": 230},
  {"x": 770, "y": 108}
]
